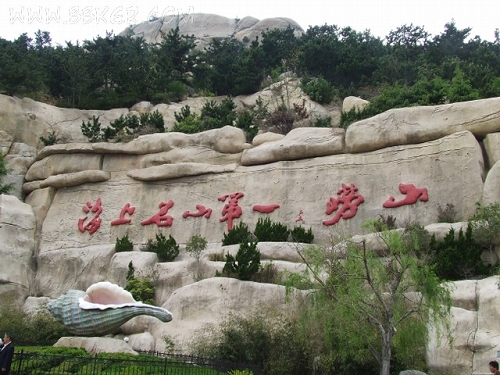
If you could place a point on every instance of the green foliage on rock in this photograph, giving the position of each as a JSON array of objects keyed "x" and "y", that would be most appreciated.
[
  {"x": 142, "y": 289},
  {"x": 245, "y": 264},
  {"x": 166, "y": 248},
  {"x": 123, "y": 244},
  {"x": 318, "y": 89},
  {"x": 300, "y": 234},
  {"x": 194, "y": 248},
  {"x": 268, "y": 231},
  {"x": 459, "y": 257},
  {"x": 4, "y": 188},
  {"x": 240, "y": 233}
]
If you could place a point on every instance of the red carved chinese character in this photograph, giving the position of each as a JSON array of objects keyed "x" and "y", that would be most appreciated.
[
  {"x": 127, "y": 209},
  {"x": 202, "y": 211},
  {"x": 413, "y": 194},
  {"x": 299, "y": 218},
  {"x": 350, "y": 201},
  {"x": 94, "y": 224},
  {"x": 161, "y": 218},
  {"x": 265, "y": 209},
  {"x": 231, "y": 209}
]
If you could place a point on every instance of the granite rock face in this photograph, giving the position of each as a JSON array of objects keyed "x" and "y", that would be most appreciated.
[{"x": 81, "y": 197}]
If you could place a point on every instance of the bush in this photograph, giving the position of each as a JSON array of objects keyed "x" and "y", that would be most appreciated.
[
  {"x": 282, "y": 118},
  {"x": 176, "y": 91},
  {"x": 240, "y": 233},
  {"x": 123, "y": 244},
  {"x": 322, "y": 122},
  {"x": 269, "y": 231},
  {"x": 154, "y": 120},
  {"x": 299, "y": 234},
  {"x": 50, "y": 140},
  {"x": 247, "y": 122},
  {"x": 4, "y": 188},
  {"x": 194, "y": 247},
  {"x": 272, "y": 341},
  {"x": 187, "y": 122},
  {"x": 142, "y": 289},
  {"x": 459, "y": 259},
  {"x": 214, "y": 116},
  {"x": 245, "y": 264},
  {"x": 319, "y": 90},
  {"x": 92, "y": 130},
  {"x": 448, "y": 214},
  {"x": 30, "y": 329},
  {"x": 166, "y": 249}
]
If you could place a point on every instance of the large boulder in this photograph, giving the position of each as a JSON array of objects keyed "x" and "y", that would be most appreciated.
[
  {"x": 475, "y": 317},
  {"x": 17, "y": 250},
  {"x": 414, "y": 125}
]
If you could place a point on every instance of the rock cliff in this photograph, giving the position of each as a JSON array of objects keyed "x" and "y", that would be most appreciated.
[{"x": 79, "y": 199}]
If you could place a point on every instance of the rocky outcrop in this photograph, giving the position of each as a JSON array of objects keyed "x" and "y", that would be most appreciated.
[
  {"x": 421, "y": 124},
  {"x": 406, "y": 163},
  {"x": 205, "y": 27},
  {"x": 474, "y": 325},
  {"x": 300, "y": 143},
  {"x": 17, "y": 250}
]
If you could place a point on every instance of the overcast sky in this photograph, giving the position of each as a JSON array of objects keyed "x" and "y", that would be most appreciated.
[{"x": 85, "y": 19}]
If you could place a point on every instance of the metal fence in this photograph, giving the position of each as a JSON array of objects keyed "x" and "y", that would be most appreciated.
[{"x": 151, "y": 363}]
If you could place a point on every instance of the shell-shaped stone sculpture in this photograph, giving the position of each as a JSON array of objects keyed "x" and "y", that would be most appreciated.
[{"x": 100, "y": 310}]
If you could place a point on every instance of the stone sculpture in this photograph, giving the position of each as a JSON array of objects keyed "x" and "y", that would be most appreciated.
[{"x": 101, "y": 310}]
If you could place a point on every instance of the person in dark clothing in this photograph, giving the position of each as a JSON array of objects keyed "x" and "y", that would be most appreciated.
[{"x": 6, "y": 354}]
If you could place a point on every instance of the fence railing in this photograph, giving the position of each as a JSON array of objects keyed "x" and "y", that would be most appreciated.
[{"x": 150, "y": 363}]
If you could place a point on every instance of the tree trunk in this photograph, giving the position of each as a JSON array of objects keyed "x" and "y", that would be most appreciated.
[{"x": 385, "y": 368}]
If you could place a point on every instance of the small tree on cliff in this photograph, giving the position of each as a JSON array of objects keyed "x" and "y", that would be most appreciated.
[
  {"x": 380, "y": 302},
  {"x": 4, "y": 188}
]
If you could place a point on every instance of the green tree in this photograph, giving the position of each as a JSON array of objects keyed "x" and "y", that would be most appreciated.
[
  {"x": 4, "y": 188},
  {"x": 375, "y": 297},
  {"x": 245, "y": 264},
  {"x": 195, "y": 247}
]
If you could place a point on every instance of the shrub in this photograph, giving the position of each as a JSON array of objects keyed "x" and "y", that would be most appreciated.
[
  {"x": 176, "y": 91},
  {"x": 194, "y": 247},
  {"x": 384, "y": 223},
  {"x": 214, "y": 116},
  {"x": 322, "y": 122},
  {"x": 240, "y": 233},
  {"x": 154, "y": 120},
  {"x": 266, "y": 274},
  {"x": 92, "y": 130},
  {"x": 459, "y": 259},
  {"x": 142, "y": 289},
  {"x": 4, "y": 188},
  {"x": 318, "y": 89},
  {"x": 299, "y": 234},
  {"x": 282, "y": 118},
  {"x": 245, "y": 264},
  {"x": 187, "y": 122},
  {"x": 448, "y": 214},
  {"x": 269, "y": 231},
  {"x": 271, "y": 340},
  {"x": 166, "y": 249},
  {"x": 247, "y": 122},
  {"x": 39, "y": 328},
  {"x": 51, "y": 139},
  {"x": 123, "y": 244},
  {"x": 349, "y": 117}
]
